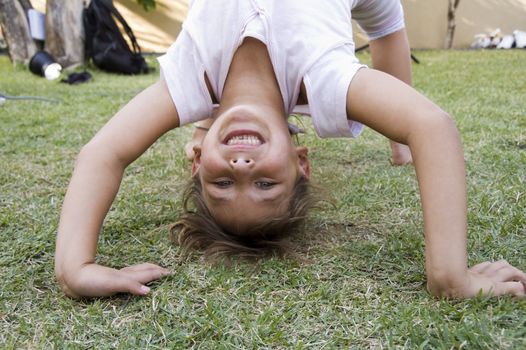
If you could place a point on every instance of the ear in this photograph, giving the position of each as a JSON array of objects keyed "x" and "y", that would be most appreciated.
[
  {"x": 196, "y": 162},
  {"x": 303, "y": 161}
]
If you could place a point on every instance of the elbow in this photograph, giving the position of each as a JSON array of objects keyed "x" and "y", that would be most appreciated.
[
  {"x": 441, "y": 123},
  {"x": 89, "y": 153},
  {"x": 447, "y": 123},
  {"x": 86, "y": 155},
  {"x": 96, "y": 153},
  {"x": 435, "y": 124}
]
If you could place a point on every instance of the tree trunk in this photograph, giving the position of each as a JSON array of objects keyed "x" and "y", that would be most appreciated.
[
  {"x": 65, "y": 31},
  {"x": 26, "y": 5},
  {"x": 15, "y": 27},
  {"x": 451, "y": 23}
]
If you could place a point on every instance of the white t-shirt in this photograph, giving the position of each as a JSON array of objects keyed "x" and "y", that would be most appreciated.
[{"x": 307, "y": 40}]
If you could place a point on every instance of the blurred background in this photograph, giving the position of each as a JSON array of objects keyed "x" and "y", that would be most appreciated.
[{"x": 427, "y": 21}]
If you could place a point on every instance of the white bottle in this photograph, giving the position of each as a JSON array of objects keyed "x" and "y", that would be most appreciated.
[{"x": 52, "y": 71}]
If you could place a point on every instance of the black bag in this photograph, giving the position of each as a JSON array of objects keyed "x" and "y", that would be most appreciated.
[{"x": 105, "y": 44}]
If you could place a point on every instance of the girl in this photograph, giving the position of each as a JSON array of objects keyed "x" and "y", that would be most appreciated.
[{"x": 259, "y": 59}]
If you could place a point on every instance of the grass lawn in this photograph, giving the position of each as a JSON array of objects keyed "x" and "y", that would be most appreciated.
[{"x": 364, "y": 283}]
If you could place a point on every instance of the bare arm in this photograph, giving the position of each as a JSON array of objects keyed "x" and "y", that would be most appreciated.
[
  {"x": 402, "y": 114},
  {"x": 392, "y": 55},
  {"x": 92, "y": 189}
]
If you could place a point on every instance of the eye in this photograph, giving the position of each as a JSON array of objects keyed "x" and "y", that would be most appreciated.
[
  {"x": 265, "y": 185},
  {"x": 223, "y": 183}
]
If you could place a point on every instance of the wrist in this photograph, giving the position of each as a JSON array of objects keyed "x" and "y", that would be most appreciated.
[
  {"x": 66, "y": 282},
  {"x": 70, "y": 279},
  {"x": 448, "y": 284}
]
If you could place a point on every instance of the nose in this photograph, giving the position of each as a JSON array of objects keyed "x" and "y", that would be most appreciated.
[{"x": 241, "y": 163}]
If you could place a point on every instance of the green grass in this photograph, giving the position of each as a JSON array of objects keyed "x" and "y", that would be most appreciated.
[{"x": 364, "y": 284}]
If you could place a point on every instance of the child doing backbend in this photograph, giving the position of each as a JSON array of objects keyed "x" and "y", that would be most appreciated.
[{"x": 259, "y": 59}]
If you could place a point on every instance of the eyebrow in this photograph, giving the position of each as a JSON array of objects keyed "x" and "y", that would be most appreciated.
[
  {"x": 217, "y": 198},
  {"x": 222, "y": 199}
]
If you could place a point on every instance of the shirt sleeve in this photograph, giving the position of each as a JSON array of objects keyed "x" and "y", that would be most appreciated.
[
  {"x": 327, "y": 83},
  {"x": 184, "y": 73},
  {"x": 379, "y": 18}
]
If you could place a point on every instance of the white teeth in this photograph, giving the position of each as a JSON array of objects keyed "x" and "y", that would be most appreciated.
[{"x": 244, "y": 140}]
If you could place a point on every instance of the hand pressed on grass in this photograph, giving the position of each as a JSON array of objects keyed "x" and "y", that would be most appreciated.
[
  {"x": 496, "y": 278},
  {"x": 94, "y": 280}
]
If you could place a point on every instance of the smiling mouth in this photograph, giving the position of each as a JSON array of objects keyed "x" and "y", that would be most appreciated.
[{"x": 243, "y": 138}]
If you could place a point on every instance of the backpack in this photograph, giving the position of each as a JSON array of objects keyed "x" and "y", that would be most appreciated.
[{"x": 105, "y": 44}]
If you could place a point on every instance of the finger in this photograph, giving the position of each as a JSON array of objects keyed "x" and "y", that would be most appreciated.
[
  {"x": 510, "y": 273},
  {"x": 479, "y": 268},
  {"x": 146, "y": 275},
  {"x": 145, "y": 266},
  {"x": 497, "y": 265},
  {"x": 510, "y": 288},
  {"x": 116, "y": 282},
  {"x": 130, "y": 285}
]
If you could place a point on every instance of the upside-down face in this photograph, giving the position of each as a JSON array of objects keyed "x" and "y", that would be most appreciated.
[{"x": 248, "y": 167}]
